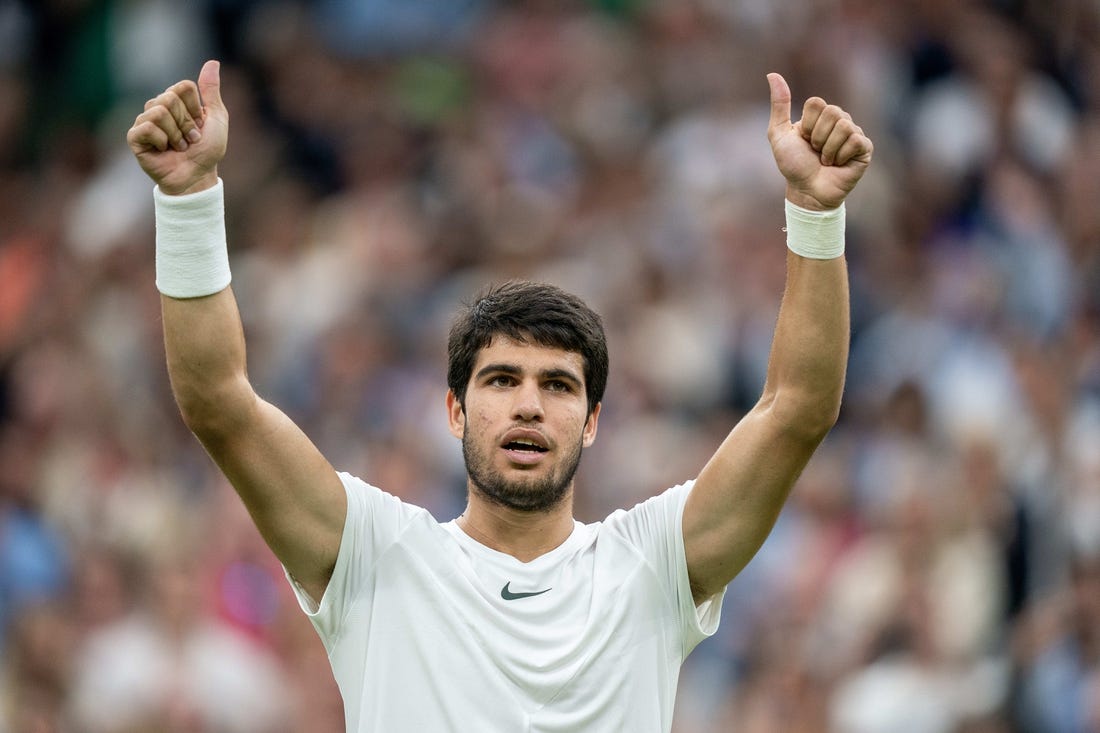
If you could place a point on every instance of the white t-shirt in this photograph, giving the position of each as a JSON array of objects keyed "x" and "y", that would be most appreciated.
[{"x": 430, "y": 631}]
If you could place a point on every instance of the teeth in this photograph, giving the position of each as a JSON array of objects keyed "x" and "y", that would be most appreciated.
[{"x": 526, "y": 443}]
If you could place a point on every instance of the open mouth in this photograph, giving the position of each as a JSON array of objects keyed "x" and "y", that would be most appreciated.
[{"x": 524, "y": 446}]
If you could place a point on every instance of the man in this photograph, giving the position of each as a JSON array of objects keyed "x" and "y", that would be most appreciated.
[{"x": 512, "y": 617}]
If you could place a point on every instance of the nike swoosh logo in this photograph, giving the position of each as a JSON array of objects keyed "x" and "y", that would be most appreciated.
[{"x": 508, "y": 595}]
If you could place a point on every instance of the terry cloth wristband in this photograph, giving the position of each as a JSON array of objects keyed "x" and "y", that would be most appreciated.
[
  {"x": 818, "y": 235},
  {"x": 192, "y": 257}
]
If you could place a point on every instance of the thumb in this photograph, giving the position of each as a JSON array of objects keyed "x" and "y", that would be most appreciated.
[
  {"x": 210, "y": 84},
  {"x": 781, "y": 101}
]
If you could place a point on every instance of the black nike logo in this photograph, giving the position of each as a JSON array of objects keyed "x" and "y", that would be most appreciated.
[{"x": 510, "y": 596}]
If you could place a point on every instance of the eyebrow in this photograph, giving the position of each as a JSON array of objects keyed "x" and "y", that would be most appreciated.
[{"x": 503, "y": 368}]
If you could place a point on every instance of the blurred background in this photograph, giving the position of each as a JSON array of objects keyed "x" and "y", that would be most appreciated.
[{"x": 937, "y": 569}]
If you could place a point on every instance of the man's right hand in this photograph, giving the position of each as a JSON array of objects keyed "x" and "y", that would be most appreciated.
[{"x": 182, "y": 134}]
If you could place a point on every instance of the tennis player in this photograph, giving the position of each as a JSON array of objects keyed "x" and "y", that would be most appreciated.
[{"x": 513, "y": 616}]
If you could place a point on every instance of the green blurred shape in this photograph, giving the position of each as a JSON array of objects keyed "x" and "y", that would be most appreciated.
[{"x": 429, "y": 90}]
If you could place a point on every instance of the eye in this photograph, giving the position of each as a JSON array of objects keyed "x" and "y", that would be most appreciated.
[
  {"x": 557, "y": 385},
  {"x": 500, "y": 380}
]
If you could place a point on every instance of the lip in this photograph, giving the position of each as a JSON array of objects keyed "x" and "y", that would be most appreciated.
[{"x": 524, "y": 457}]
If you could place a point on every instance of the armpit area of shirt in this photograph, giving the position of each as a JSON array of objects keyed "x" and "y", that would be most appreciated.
[{"x": 309, "y": 605}]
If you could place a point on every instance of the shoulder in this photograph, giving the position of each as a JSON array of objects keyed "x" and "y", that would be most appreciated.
[
  {"x": 377, "y": 521},
  {"x": 653, "y": 527},
  {"x": 363, "y": 496},
  {"x": 665, "y": 507}
]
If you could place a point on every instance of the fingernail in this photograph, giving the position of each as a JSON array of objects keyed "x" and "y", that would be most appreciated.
[
  {"x": 182, "y": 145},
  {"x": 194, "y": 136}
]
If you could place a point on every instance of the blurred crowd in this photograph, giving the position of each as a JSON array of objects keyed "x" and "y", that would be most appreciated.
[{"x": 937, "y": 569}]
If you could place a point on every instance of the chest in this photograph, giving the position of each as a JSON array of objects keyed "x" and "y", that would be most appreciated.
[{"x": 535, "y": 631}]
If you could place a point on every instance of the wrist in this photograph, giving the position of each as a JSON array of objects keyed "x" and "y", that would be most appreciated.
[
  {"x": 205, "y": 181},
  {"x": 815, "y": 234},
  {"x": 808, "y": 202},
  {"x": 192, "y": 259}
]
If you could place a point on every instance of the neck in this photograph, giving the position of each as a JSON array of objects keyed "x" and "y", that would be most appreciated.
[{"x": 522, "y": 534}]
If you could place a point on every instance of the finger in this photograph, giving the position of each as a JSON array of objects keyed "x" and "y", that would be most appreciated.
[
  {"x": 188, "y": 92},
  {"x": 780, "y": 101},
  {"x": 146, "y": 135},
  {"x": 811, "y": 112},
  {"x": 829, "y": 117},
  {"x": 842, "y": 131},
  {"x": 210, "y": 85},
  {"x": 162, "y": 118},
  {"x": 170, "y": 112},
  {"x": 857, "y": 147}
]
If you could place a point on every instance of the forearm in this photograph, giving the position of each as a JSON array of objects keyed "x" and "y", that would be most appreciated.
[
  {"x": 204, "y": 340},
  {"x": 205, "y": 350},
  {"x": 805, "y": 379}
]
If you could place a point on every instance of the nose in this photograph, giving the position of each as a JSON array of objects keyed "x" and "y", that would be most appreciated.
[{"x": 528, "y": 402}]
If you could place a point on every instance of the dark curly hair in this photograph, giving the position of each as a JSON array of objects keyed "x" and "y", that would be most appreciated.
[{"x": 528, "y": 312}]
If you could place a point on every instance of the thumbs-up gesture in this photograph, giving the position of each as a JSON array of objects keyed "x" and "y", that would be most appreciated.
[
  {"x": 182, "y": 134},
  {"x": 823, "y": 155}
]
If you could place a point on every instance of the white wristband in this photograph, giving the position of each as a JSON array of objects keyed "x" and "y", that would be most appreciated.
[
  {"x": 818, "y": 235},
  {"x": 192, "y": 257}
]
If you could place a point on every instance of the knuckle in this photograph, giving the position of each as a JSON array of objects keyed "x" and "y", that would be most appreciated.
[
  {"x": 159, "y": 102},
  {"x": 162, "y": 118},
  {"x": 183, "y": 87}
]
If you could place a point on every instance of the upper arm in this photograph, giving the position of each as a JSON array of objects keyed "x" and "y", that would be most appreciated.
[
  {"x": 294, "y": 495},
  {"x": 738, "y": 495}
]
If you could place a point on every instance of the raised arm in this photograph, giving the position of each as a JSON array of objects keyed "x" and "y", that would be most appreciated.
[
  {"x": 292, "y": 493},
  {"x": 739, "y": 493}
]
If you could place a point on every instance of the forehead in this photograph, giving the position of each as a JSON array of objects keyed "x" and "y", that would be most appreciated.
[{"x": 528, "y": 356}]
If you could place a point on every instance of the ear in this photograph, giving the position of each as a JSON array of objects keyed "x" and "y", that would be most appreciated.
[
  {"x": 456, "y": 415},
  {"x": 588, "y": 437}
]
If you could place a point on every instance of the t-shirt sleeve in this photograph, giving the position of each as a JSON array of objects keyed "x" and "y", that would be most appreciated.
[
  {"x": 655, "y": 527},
  {"x": 375, "y": 520}
]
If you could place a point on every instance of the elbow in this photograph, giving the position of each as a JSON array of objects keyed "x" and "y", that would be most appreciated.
[
  {"x": 828, "y": 420},
  {"x": 813, "y": 428},
  {"x": 202, "y": 419},
  {"x": 823, "y": 415},
  {"x": 214, "y": 411},
  {"x": 809, "y": 418}
]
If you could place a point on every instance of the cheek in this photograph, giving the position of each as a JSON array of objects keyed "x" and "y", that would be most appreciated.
[
  {"x": 579, "y": 423},
  {"x": 478, "y": 419}
]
